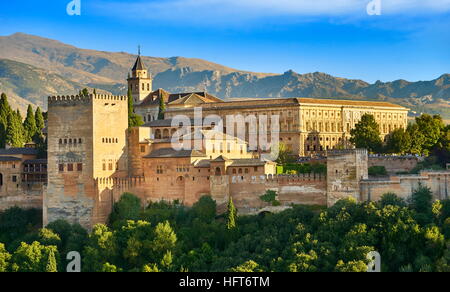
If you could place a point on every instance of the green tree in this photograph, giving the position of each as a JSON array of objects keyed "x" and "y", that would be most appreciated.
[
  {"x": 4, "y": 259},
  {"x": 351, "y": 267},
  {"x": 422, "y": 204},
  {"x": 15, "y": 131},
  {"x": 391, "y": 199},
  {"x": 127, "y": 208},
  {"x": 162, "y": 109},
  {"x": 417, "y": 139},
  {"x": 51, "y": 266},
  {"x": 431, "y": 128},
  {"x": 35, "y": 258},
  {"x": 100, "y": 249},
  {"x": 366, "y": 134},
  {"x": 84, "y": 92},
  {"x": 231, "y": 215},
  {"x": 40, "y": 122},
  {"x": 134, "y": 120},
  {"x": 205, "y": 209},
  {"x": 285, "y": 156},
  {"x": 165, "y": 239},
  {"x": 5, "y": 112},
  {"x": 442, "y": 149},
  {"x": 29, "y": 125},
  {"x": 398, "y": 141},
  {"x": 247, "y": 267}
]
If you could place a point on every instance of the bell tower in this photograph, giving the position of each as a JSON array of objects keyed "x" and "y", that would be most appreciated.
[{"x": 140, "y": 81}]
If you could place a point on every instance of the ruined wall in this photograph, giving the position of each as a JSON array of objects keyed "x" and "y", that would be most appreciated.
[
  {"x": 404, "y": 186},
  {"x": 394, "y": 164},
  {"x": 26, "y": 196},
  {"x": 246, "y": 190}
]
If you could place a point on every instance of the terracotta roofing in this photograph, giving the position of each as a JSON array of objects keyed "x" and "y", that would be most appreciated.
[
  {"x": 19, "y": 151},
  {"x": 245, "y": 103},
  {"x": 36, "y": 161},
  {"x": 248, "y": 162},
  {"x": 221, "y": 158},
  {"x": 172, "y": 153},
  {"x": 9, "y": 158},
  {"x": 162, "y": 123},
  {"x": 347, "y": 102},
  {"x": 139, "y": 65},
  {"x": 154, "y": 97}
]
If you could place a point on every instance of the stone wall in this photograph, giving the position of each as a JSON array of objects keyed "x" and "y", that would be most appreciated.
[
  {"x": 404, "y": 186},
  {"x": 247, "y": 190},
  {"x": 395, "y": 165},
  {"x": 27, "y": 196}
]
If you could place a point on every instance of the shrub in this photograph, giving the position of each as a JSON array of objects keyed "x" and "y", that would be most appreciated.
[{"x": 377, "y": 171}]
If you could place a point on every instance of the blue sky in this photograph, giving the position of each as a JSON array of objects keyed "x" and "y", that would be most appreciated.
[{"x": 409, "y": 40}]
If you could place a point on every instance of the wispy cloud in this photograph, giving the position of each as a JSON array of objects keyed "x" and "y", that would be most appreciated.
[{"x": 205, "y": 11}]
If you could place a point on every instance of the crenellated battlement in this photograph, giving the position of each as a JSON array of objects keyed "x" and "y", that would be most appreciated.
[
  {"x": 278, "y": 178},
  {"x": 347, "y": 152},
  {"x": 77, "y": 99}
]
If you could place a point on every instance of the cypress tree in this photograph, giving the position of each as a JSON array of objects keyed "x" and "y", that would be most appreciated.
[
  {"x": 162, "y": 108},
  {"x": 5, "y": 111},
  {"x": 51, "y": 266},
  {"x": 40, "y": 123},
  {"x": 134, "y": 120},
  {"x": 231, "y": 215},
  {"x": 29, "y": 125},
  {"x": 14, "y": 131},
  {"x": 130, "y": 108}
]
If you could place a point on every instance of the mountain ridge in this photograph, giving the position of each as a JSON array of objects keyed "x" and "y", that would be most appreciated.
[{"x": 108, "y": 71}]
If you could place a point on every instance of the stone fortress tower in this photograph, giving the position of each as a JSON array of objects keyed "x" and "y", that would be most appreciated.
[
  {"x": 87, "y": 142},
  {"x": 346, "y": 169},
  {"x": 140, "y": 82}
]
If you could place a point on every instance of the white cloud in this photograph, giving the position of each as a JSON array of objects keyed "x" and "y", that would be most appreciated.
[{"x": 240, "y": 10}]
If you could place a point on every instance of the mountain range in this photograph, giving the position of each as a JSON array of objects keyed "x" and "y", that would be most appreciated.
[{"x": 32, "y": 68}]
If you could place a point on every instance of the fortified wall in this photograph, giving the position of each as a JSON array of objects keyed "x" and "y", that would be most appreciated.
[
  {"x": 395, "y": 164},
  {"x": 308, "y": 189},
  {"x": 404, "y": 185}
]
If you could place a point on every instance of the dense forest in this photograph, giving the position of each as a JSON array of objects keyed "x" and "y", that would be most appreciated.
[{"x": 411, "y": 236}]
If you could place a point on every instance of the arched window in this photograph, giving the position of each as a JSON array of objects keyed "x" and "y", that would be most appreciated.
[
  {"x": 166, "y": 133},
  {"x": 158, "y": 134},
  {"x": 60, "y": 141},
  {"x": 218, "y": 171}
]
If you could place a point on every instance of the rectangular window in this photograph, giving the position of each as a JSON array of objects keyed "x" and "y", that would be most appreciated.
[
  {"x": 104, "y": 166},
  {"x": 61, "y": 167},
  {"x": 80, "y": 167},
  {"x": 142, "y": 149},
  {"x": 110, "y": 166},
  {"x": 70, "y": 167},
  {"x": 14, "y": 178}
]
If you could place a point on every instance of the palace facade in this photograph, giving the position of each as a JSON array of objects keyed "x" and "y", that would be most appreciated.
[
  {"x": 93, "y": 157},
  {"x": 307, "y": 126}
]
